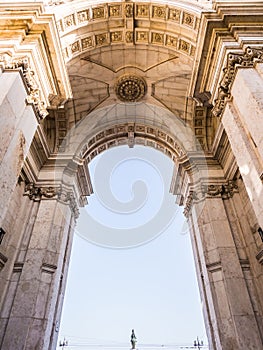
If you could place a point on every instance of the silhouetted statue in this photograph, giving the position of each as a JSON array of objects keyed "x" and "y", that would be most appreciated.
[{"x": 133, "y": 339}]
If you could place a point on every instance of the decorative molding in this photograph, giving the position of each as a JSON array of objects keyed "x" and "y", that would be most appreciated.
[
  {"x": 234, "y": 61},
  {"x": 37, "y": 193},
  {"x": 130, "y": 134},
  {"x": 34, "y": 98},
  {"x": 128, "y": 33},
  {"x": 189, "y": 202},
  {"x": 223, "y": 191},
  {"x": 130, "y": 88}
]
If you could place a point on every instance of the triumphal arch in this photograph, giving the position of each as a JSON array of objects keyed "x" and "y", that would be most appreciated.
[{"x": 79, "y": 77}]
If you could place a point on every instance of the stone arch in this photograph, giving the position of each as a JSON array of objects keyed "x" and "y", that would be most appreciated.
[{"x": 42, "y": 168}]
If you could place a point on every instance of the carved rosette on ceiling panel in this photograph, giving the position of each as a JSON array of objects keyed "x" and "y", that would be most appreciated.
[{"x": 130, "y": 88}]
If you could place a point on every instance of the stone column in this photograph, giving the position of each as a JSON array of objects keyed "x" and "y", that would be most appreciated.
[
  {"x": 35, "y": 310},
  {"x": 18, "y": 124},
  {"x": 230, "y": 313},
  {"x": 242, "y": 120}
]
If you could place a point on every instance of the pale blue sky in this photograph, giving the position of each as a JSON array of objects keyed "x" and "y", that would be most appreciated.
[{"x": 148, "y": 284}]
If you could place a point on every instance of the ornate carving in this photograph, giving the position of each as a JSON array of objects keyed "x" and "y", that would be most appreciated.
[
  {"x": 116, "y": 37},
  {"x": 142, "y": 10},
  {"x": 34, "y": 97},
  {"x": 184, "y": 46},
  {"x": 98, "y": 12},
  {"x": 171, "y": 41},
  {"x": 37, "y": 193},
  {"x": 246, "y": 59},
  {"x": 75, "y": 47},
  {"x": 157, "y": 38},
  {"x": 86, "y": 42},
  {"x": 129, "y": 37},
  {"x": 223, "y": 191},
  {"x": 188, "y": 19},
  {"x": 83, "y": 16},
  {"x": 69, "y": 21},
  {"x": 142, "y": 36},
  {"x": 129, "y": 10},
  {"x": 159, "y": 12},
  {"x": 189, "y": 202},
  {"x": 101, "y": 39},
  {"x": 115, "y": 11},
  {"x": 130, "y": 88},
  {"x": 174, "y": 14}
]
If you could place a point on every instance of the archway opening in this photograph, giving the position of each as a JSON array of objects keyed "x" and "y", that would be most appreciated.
[{"x": 125, "y": 271}]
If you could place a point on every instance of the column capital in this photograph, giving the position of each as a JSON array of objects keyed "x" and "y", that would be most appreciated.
[
  {"x": 223, "y": 190},
  {"x": 60, "y": 193}
]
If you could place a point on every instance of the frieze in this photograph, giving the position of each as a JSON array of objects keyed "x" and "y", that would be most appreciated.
[
  {"x": 38, "y": 193},
  {"x": 223, "y": 191},
  {"x": 141, "y": 135},
  {"x": 246, "y": 59},
  {"x": 143, "y": 12}
]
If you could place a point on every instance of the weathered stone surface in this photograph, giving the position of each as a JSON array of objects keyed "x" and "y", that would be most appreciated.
[{"x": 69, "y": 58}]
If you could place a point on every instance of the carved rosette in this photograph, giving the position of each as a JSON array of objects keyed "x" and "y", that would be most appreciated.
[
  {"x": 246, "y": 59},
  {"x": 130, "y": 88}
]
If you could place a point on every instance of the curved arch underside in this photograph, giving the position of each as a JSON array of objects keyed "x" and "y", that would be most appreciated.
[{"x": 102, "y": 42}]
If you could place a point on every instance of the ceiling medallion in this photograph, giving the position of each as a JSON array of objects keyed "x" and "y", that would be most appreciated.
[{"x": 130, "y": 88}]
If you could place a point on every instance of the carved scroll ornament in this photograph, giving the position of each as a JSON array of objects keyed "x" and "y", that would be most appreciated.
[
  {"x": 34, "y": 96},
  {"x": 246, "y": 59},
  {"x": 37, "y": 193}
]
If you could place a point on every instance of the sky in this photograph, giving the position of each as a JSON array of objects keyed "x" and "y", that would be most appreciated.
[{"x": 127, "y": 272}]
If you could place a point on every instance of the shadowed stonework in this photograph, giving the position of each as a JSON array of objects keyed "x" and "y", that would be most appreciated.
[{"x": 79, "y": 77}]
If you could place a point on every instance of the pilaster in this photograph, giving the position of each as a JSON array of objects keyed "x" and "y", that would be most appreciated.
[{"x": 33, "y": 315}]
